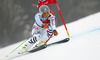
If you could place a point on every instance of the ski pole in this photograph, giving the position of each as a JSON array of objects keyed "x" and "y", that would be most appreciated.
[
  {"x": 16, "y": 48},
  {"x": 39, "y": 30},
  {"x": 22, "y": 43},
  {"x": 49, "y": 38}
]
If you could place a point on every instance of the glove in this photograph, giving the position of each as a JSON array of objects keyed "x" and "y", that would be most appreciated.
[
  {"x": 55, "y": 32},
  {"x": 45, "y": 26}
]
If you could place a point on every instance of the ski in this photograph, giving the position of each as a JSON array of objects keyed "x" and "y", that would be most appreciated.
[
  {"x": 47, "y": 45},
  {"x": 38, "y": 48},
  {"x": 59, "y": 42}
]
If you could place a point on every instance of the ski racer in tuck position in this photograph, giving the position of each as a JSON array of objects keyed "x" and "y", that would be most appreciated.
[{"x": 43, "y": 19}]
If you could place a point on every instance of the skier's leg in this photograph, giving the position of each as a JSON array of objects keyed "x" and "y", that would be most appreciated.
[
  {"x": 33, "y": 39},
  {"x": 35, "y": 28},
  {"x": 44, "y": 36},
  {"x": 30, "y": 42},
  {"x": 46, "y": 33}
]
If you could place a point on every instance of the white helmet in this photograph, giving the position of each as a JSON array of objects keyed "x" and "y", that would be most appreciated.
[{"x": 44, "y": 8}]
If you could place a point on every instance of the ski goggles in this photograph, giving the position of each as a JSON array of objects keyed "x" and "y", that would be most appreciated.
[{"x": 46, "y": 13}]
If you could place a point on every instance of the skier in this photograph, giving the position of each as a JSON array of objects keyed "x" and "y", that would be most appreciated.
[{"x": 43, "y": 19}]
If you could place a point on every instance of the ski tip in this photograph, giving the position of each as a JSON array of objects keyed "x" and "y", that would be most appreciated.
[{"x": 67, "y": 39}]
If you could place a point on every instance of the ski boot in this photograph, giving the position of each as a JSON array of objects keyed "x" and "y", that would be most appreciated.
[
  {"x": 24, "y": 49},
  {"x": 41, "y": 43}
]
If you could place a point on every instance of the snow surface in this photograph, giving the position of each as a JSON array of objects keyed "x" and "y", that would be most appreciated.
[{"x": 84, "y": 43}]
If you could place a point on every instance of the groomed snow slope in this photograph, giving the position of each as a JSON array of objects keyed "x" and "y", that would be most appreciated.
[{"x": 84, "y": 43}]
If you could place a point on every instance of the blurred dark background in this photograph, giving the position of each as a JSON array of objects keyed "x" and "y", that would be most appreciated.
[{"x": 17, "y": 16}]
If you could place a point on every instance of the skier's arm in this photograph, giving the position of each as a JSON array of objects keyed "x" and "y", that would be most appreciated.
[
  {"x": 53, "y": 25},
  {"x": 45, "y": 26},
  {"x": 37, "y": 19}
]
